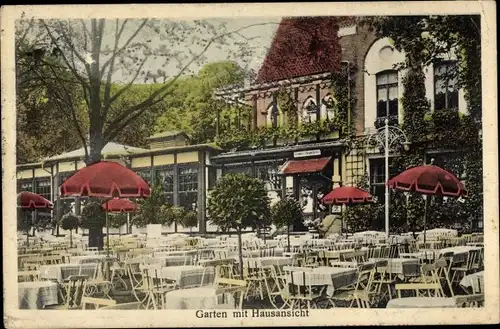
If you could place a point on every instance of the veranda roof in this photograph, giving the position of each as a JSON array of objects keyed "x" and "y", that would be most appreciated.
[{"x": 110, "y": 149}]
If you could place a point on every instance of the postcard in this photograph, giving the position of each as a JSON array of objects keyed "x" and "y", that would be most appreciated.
[{"x": 250, "y": 164}]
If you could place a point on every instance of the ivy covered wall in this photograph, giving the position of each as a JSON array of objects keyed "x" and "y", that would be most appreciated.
[{"x": 451, "y": 138}]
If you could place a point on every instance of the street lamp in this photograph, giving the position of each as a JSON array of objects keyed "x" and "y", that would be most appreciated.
[{"x": 388, "y": 137}]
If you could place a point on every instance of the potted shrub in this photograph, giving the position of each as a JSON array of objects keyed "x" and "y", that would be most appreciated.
[
  {"x": 70, "y": 222},
  {"x": 286, "y": 212},
  {"x": 237, "y": 202}
]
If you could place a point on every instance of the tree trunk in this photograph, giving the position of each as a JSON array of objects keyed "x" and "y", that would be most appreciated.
[
  {"x": 71, "y": 238},
  {"x": 240, "y": 253},
  {"x": 288, "y": 236},
  {"x": 96, "y": 144}
]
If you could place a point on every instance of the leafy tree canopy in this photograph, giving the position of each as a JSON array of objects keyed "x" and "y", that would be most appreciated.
[
  {"x": 93, "y": 215},
  {"x": 239, "y": 201},
  {"x": 70, "y": 222},
  {"x": 285, "y": 212},
  {"x": 152, "y": 210}
]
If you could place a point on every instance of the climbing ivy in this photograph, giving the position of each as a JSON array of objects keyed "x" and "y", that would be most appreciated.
[
  {"x": 428, "y": 39},
  {"x": 293, "y": 131}
]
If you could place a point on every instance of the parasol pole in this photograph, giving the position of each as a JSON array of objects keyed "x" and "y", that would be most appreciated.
[
  {"x": 107, "y": 243},
  {"x": 27, "y": 229},
  {"x": 128, "y": 223},
  {"x": 386, "y": 156},
  {"x": 288, "y": 235},
  {"x": 107, "y": 230},
  {"x": 425, "y": 217}
]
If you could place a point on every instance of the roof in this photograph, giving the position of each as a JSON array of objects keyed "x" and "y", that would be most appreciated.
[
  {"x": 167, "y": 134},
  {"x": 109, "y": 148},
  {"x": 275, "y": 152},
  {"x": 176, "y": 149},
  {"x": 302, "y": 46},
  {"x": 305, "y": 166}
]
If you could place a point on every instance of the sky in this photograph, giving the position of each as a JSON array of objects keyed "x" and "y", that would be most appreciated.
[
  {"x": 255, "y": 33},
  {"x": 259, "y": 33}
]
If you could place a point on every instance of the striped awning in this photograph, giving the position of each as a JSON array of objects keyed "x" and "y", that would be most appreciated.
[{"x": 308, "y": 166}]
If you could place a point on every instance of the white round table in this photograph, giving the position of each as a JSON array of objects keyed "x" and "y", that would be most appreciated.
[
  {"x": 198, "y": 298},
  {"x": 422, "y": 302},
  {"x": 37, "y": 295}
]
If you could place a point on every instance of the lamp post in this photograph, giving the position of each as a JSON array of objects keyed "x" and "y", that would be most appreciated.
[{"x": 388, "y": 137}]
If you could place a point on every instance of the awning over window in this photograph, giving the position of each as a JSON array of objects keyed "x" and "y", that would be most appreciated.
[{"x": 304, "y": 166}]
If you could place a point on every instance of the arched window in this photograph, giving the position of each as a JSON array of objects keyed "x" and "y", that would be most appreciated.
[
  {"x": 387, "y": 93},
  {"x": 273, "y": 117},
  {"x": 381, "y": 86},
  {"x": 328, "y": 107},
  {"x": 309, "y": 110}
]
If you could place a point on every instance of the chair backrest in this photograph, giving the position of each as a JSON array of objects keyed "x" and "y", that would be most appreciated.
[
  {"x": 230, "y": 282},
  {"x": 478, "y": 285},
  {"x": 428, "y": 273},
  {"x": 366, "y": 273},
  {"x": 471, "y": 258},
  {"x": 194, "y": 280},
  {"x": 124, "y": 306},
  {"x": 75, "y": 290},
  {"x": 225, "y": 271},
  {"x": 28, "y": 276},
  {"x": 232, "y": 286},
  {"x": 419, "y": 287},
  {"x": 474, "y": 300},
  {"x": 97, "y": 302}
]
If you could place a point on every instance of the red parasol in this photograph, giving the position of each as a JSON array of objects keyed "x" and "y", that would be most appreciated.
[
  {"x": 29, "y": 200},
  {"x": 428, "y": 180},
  {"x": 105, "y": 179},
  {"x": 347, "y": 195},
  {"x": 119, "y": 205}
]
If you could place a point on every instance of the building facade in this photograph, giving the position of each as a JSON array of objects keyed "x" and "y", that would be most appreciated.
[{"x": 304, "y": 67}]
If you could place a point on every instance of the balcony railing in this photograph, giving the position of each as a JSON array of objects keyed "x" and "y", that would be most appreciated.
[{"x": 380, "y": 121}]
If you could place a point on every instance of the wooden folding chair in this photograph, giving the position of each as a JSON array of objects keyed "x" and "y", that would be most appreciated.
[
  {"x": 156, "y": 287},
  {"x": 361, "y": 291},
  {"x": 460, "y": 271},
  {"x": 442, "y": 266},
  {"x": 75, "y": 291}
]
